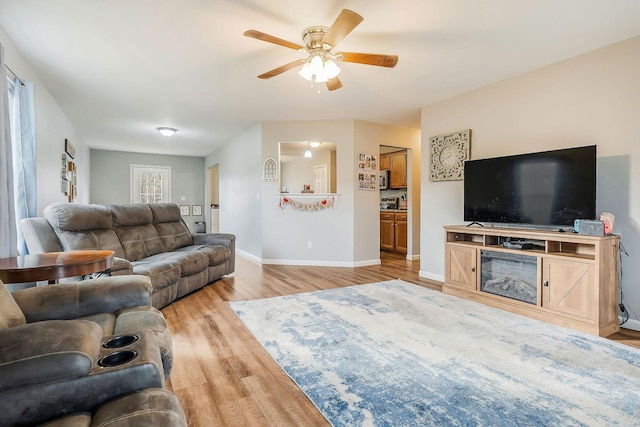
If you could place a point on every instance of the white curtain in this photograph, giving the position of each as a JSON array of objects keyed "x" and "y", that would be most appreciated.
[
  {"x": 8, "y": 230},
  {"x": 23, "y": 142}
]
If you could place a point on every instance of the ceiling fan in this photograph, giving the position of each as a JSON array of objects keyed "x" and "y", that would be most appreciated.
[{"x": 320, "y": 65}]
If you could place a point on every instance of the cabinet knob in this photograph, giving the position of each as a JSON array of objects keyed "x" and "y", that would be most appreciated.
[
  {"x": 545, "y": 283},
  {"x": 473, "y": 269}
]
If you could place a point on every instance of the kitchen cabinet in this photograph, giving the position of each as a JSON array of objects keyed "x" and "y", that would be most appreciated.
[
  {"x": 385, "y": 162},
  {"x": 393, "y": 231},
  {"x": 398, "y": 167},
  {"x": 387, "y": 230},
  {"x": 573, "y": 277},
  {"x": 400, "y": 240},
  {"x": 396, "y": 163}
]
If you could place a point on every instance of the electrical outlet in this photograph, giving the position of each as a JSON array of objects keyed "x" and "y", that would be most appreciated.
[{"x": 309, "y": 244}]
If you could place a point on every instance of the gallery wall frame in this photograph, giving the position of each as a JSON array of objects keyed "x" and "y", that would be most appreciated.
[{"x": 367, "y": 171}]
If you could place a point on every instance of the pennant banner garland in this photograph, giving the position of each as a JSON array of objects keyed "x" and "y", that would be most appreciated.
[{"x": 307, "y": 206}]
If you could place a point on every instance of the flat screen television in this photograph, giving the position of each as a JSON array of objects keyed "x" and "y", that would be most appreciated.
[{"x": 550, "y": 188}]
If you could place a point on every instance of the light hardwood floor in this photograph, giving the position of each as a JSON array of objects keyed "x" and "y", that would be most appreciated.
[{"x": 223, "y": 377}]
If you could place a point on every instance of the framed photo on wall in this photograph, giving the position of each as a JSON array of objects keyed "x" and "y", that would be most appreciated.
[
  {"x": 69, "y": 148},
  {"x": 184, "y": 210},
  {"x": 196, "y": 210},
  {"x": 367, "y": 170}
]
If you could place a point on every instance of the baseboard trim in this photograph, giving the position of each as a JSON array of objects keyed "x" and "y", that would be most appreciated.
[
  {"x": 312, "y": 263},
  {"x": 431, "y": 276},
  {"x": 248, "y": 256},
  {"x": 632, "y": 324},
  {"x": 413, "y": 257}
]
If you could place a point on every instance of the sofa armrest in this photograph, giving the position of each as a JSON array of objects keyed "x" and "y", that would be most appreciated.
[
  {"x": 223, "y": 239},
  {"x": 47, "y": 351},
  {"x": 84, "y": 298},
  {"x": 121, "y": 266},
  {"x": 39, "y": 236}
]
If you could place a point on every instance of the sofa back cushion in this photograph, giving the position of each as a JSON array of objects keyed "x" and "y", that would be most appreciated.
[
  {"x": 82, "y": 227},
  {"x": 10, "y": 313},
  {"x": 170, "y": 226},
  {"x": 132, "y": 224}
]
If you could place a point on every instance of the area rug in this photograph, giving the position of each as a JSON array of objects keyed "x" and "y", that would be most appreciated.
[{"x": 397, "y": 354}]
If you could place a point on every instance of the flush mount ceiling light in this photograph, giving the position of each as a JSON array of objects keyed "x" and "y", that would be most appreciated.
[
  {"x": 167, "y": 131},
  {"x": 307, "y": 153},
  {"x": 315, "y": 144}
]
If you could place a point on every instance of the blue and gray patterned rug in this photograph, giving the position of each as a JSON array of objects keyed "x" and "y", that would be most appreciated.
[{"x": 396, "y": 354}]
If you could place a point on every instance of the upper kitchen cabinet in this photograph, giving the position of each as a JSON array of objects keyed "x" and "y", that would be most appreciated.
[{"x": 398, "y": 167}]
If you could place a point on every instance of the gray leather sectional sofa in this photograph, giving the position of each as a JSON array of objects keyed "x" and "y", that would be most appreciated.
[{"x": 148, "y": 239}]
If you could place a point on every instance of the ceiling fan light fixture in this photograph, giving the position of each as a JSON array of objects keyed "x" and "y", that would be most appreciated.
[
  {"x": 166, "y": 131},
  {"x": 331, "y": 69},
  {"x": 305, "y": 71},
  {"x": 315, "y": 144},
  {"x": 307, "y": 152},
  {"x": 318, "y": 69}
]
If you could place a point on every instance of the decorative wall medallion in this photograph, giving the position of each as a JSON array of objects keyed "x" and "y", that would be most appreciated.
[{"x": 448, "y": 153}]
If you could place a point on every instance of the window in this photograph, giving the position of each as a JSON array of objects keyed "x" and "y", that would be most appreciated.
[{"x": 150, "y": 184}]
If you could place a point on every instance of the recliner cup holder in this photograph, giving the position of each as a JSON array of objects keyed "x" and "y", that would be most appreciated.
[
  {"x": 118, "y": 358},
  {"x": 120, "y": 341}
]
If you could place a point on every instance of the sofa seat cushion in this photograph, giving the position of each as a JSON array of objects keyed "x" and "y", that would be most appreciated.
[
  {"x": 162, "y": 273},
  {"x": 190, "y": 262},
  {"x": 217, "y": 254},
  {"x": 47, "y": 351}
]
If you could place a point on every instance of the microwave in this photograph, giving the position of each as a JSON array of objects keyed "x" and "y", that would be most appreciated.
[{"x": 383, "y": 180}]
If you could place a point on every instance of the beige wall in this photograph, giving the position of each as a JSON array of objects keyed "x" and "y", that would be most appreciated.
[
  {"x": 590, "y": 99},
  {"x": 379, "y": 134}
]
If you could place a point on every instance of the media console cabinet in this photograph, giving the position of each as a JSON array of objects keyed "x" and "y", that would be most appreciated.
[{"x": 559, "y": 277}]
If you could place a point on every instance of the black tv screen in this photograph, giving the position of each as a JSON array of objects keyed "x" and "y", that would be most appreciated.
[{"x": 551, "y": 188}]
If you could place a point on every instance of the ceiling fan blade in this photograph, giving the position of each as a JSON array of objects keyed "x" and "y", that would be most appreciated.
[
  {"x": 281, "y": 69},
  {"x": 334, "y": 84},
  {"x": 343, "y": 25},
  {"x": 389, "y": 61},
  {"x": 272, "y": 39}
]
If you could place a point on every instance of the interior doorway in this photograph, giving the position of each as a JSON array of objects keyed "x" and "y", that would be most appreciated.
[
  {"x": 399, "y": 223},
  {"x": 214, "y": 199}
]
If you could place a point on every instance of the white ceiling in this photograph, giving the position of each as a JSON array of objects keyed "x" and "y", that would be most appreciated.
[{"x": 120, "y": 68}]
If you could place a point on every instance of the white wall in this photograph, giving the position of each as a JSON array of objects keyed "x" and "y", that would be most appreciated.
[
  {"x": 52, "y": 127},
  {"x": 286, "y": 232},
  {"x": 240, "y": 189},
  {"x": 346, "y": 235},
  {"x": 590, "y": 99}
]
